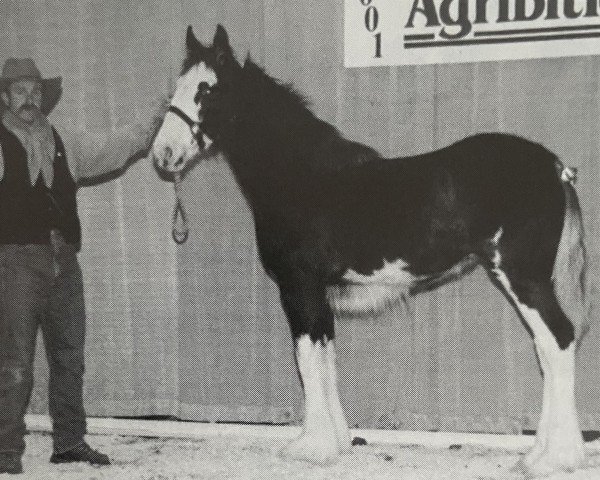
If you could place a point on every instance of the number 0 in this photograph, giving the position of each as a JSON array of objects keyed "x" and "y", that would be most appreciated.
[{"x": 371, "y": 19}]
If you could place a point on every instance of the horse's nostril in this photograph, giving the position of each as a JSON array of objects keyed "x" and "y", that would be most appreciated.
[
  {"x": 165, "y": 163},
  {"x": 179, "y": 161}
]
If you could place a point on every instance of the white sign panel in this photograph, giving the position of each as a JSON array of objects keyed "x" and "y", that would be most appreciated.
[{"x": 413, "y": 32}]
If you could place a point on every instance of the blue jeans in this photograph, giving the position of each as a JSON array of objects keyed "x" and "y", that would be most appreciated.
[{"x": 41, "y": 286}]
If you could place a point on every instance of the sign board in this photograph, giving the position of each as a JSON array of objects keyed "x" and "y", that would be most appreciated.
[{"x": 414, "y": 32}]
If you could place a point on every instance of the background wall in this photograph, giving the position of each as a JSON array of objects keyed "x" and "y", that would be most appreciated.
[{"x": 196, "y": 331}]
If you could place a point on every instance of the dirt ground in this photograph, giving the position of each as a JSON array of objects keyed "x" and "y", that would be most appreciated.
[{"x": 247, "y": 458}]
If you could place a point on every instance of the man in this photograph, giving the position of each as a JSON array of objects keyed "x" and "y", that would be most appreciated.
[{"x": 40, "y": 278}]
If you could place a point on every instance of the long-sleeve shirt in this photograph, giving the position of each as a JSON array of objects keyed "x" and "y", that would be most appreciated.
[{"x": 92, "y": 155}]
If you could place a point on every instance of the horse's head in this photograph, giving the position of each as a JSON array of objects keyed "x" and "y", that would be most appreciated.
[{"x": 201, "y": 96}]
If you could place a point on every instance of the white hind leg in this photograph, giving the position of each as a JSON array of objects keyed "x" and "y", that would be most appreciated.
[{"x": 559, "y": 443}]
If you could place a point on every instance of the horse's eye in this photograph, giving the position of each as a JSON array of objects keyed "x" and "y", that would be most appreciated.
[{"x": 203, "y": 89}]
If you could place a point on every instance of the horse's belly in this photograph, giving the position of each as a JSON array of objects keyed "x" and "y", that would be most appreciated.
[
  {"x": 372, "y": 293},
  {"x": 394, "y": 273}
]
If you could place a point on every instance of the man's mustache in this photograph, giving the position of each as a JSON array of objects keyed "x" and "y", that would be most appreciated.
[{"x": 26, "y": 107}]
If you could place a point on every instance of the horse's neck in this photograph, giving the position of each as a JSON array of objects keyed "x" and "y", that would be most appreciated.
[
  {"x": 261, "y": 174},
  {"x": 273, "y": 144},
  {"x": 267, "y": 145}
]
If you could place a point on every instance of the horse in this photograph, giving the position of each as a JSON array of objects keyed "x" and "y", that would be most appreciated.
[{"x": 342, "y": 230}]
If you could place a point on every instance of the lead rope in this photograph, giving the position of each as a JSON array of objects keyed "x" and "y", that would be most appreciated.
[{"x": 180, "y": 229}]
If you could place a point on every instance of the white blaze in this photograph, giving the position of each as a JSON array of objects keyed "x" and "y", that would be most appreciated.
[{"x": 174, "y": 140}]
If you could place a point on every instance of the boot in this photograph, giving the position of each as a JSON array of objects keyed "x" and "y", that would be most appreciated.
[
  {"x": 10, "y": 462},
  {"x": 81, "y": 453}
]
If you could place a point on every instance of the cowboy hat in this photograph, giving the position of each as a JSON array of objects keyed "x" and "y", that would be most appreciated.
[{"x": 20, "y": 68}]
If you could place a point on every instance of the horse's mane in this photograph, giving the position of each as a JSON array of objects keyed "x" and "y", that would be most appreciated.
[
  {"x": 280, "y": 92},
  {"x": 287, "y": 111},
  {"x": 281, "y": 103}
]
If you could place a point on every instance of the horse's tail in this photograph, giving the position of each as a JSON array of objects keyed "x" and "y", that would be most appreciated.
[{"x": 569, "y": 272}]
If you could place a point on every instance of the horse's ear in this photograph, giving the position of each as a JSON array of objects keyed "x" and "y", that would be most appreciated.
[
  {"x": 221, "y": 44},
  {"x": 191, "y": 42}
]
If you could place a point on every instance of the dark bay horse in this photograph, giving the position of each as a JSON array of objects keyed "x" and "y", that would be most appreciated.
[{"x": 341, "y": 229}]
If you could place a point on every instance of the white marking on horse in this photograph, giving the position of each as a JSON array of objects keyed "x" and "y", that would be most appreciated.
[
  {"x": 394, "y": 273},
  {"x": 497, "y": 258},
  {"x": 359, "y": 299},
  {"x": 333, "y": 399},
  {"x": 371, "y": 293},
  {"x": 318, "y": 441},
  {"x": 175, "y": 144},
  {"x": 558, "y": 443},
  {"x": 187, "y": 87}
]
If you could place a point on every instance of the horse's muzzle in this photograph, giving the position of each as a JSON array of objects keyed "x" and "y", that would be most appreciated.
[{"x": 164, "y": 159}]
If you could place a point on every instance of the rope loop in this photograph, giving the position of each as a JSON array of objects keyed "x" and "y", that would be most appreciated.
[{"x": 181, "y": 230}]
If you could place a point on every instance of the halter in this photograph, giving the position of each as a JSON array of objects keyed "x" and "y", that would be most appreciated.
[
  {"x": 181, "y": 232},
  {"x": 194, "y": 126}
]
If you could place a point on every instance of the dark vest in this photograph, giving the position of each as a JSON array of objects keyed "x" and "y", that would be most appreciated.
[{"x": 28, "y": 213}]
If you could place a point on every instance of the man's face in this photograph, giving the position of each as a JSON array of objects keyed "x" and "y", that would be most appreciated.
[{"x": 24, "y": 98}]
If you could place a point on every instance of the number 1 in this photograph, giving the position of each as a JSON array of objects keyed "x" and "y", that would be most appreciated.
[{"x": 377, "y": 45}]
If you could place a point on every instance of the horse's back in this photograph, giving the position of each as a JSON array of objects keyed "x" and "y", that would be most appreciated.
[
  {"x": 493, "y": 159},
  {"x": 435, "y": 208},
  {"x": 501, "y": 177}
]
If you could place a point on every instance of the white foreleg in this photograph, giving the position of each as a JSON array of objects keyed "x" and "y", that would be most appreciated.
[
  {"x": 318, "y": 442},
  {"x": 333, "y": 400}
]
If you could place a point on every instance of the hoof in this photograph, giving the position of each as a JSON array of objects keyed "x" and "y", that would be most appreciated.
[
  {"x": 345, "y": 449},
  {"x": 344, "y": 442},
  {"x": 312, "y": 449},
  {"x": 548, "y": 463}
]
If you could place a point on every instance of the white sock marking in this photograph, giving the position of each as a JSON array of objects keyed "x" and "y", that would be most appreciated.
[
  {"x": 559, "y": 442},
  {"x": 313, "y": 370},
  {"x": 333, "y": 398}
]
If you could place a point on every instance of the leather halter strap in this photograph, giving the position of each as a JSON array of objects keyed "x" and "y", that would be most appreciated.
[{"x": 194, "y": 126}]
